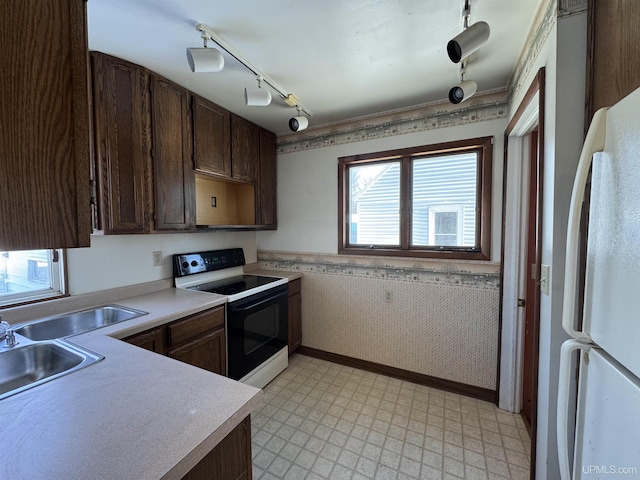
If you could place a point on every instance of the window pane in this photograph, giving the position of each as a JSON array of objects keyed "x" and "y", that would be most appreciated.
[
  {"x": 374, "y": 204},
  {"x": 444, "y": 201},
  {"x": 29, "y": 275}
]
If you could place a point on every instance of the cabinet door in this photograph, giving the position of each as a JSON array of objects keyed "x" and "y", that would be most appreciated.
[
  {"x": 44, "y": 125},
  {"x": 229, "y": 460},
  {"x": 245, "y": 149},
  {"x": 211, "y": 137},
  {"x": 267, "y": 184},
  {"x": 152, "y": 340},
  {"x": 235, "y": 453},
  {"x": 208, "y": 352},
  {"x": 122, "y": 143},
  {"x": 172, "y": 169},
  {"x": 295, "y": 315},
  {"x": 614, "y": 58}
]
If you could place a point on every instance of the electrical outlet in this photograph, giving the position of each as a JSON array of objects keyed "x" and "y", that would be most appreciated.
[
  {"x": 388, "y": 296},
  {"x": 157, "y": 258},
  {"x": 545, "y": 278}
]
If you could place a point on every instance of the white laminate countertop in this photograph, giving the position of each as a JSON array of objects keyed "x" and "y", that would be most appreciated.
[{"x": 133, "y": 415}]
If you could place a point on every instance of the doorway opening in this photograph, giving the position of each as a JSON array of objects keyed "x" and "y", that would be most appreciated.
[{"x": 521, "y": 258}]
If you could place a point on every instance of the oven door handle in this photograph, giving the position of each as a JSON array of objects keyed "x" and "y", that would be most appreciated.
[{"x": 262, "y": 301}]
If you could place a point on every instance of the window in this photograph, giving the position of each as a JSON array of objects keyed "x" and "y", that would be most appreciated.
[
  {"x": 30, "y": 275},
  {"x": 446, "y": 226},
  {"x": 429, "y": 201}
]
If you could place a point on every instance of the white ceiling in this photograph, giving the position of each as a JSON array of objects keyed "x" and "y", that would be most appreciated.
[{"x": 342, "y": 58}]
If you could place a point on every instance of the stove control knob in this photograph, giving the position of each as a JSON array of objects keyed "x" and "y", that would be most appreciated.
[
  {"x": 185, "y": 265},
  {"x": 194, "y": 263}
]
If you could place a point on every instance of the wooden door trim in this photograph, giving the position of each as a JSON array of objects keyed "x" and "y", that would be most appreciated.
[{"x": 537, "y": 86}]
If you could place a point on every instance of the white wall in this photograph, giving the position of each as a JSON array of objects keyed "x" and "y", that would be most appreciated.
[
  {"x": 568, "y": 125},
  {"x": 120, "y": 260},
  {"x": 308, "y": 187},
  {"x": 344, "y": 309},
  {"x": 564, "y": 58}
]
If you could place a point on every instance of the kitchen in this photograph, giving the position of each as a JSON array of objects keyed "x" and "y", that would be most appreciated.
[{"x": 306, "y": 236}]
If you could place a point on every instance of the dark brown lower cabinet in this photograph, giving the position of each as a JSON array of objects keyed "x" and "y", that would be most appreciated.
[
  {"x": 197, "y": 340},
  {"x": 295, "y": 315},
  {"x": 229, "y": 460},
  {"x": 153, "y": 340},
  {"x": 207, "y": 352}
]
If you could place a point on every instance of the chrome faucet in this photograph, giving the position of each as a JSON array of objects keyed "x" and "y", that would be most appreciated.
[{"x": 7, "y": 333}]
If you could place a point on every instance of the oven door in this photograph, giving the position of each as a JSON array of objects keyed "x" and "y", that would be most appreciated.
[{"x": 257, "y": 328}]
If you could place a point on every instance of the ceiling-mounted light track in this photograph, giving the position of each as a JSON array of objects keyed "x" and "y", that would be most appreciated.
[{"x": 249, "y": 66}]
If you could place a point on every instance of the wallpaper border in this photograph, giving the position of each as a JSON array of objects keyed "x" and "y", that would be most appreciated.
[{"x": 476, "y": 275}]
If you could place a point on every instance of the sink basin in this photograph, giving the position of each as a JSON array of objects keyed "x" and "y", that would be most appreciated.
[
  {"x": 24, "y": 367},
  {"x": 77, "y": 322}
]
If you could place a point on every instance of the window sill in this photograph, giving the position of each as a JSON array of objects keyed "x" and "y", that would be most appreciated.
[{"x": 415, "y": 253}]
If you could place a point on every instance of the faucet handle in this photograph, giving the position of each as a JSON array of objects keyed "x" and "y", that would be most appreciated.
[{"x": 6, "y": 332}]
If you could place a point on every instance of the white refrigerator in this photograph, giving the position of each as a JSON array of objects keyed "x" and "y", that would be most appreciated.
[{"x": 606, "y": 441}]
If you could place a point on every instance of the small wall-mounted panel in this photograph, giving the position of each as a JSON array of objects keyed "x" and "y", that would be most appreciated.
[{"x": 234, "y": 202}]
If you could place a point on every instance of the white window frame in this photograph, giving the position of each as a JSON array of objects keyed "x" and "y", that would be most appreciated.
[
  {"x": 57, "y": 284},
  {"x": 444, "y": 209}
]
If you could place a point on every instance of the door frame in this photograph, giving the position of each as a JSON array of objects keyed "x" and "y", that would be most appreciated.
[{"x": 529, "y": 113}]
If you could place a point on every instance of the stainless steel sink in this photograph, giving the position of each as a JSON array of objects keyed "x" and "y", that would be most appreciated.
[
  {"x": 77, "y": 322},
  {"x": 26, "y": 366}
]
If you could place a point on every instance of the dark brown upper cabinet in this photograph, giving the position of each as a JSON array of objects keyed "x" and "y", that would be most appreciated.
[
  {"x": 121, "y": 107},
  {"x": 613, "y": 62},
  {"x": 44, "y": 125},
  {"x": 142, "y": 145},
  {"x": 267, "y": 191},
  {"x": 152, "y": 136},
  {"x": 171, "y": 151},
  {"x": 211, "y": 137},
  {"x": 245, "y": 150}
]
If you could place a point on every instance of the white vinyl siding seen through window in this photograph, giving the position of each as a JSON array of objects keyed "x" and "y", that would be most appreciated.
[{"x": 427, "y": 201}]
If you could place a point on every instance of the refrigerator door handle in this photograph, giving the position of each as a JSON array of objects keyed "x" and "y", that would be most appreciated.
[
  {"x": 594, "y": 142},
  {"x": 564, "y": 389}
]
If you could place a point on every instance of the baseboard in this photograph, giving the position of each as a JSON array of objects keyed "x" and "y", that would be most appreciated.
[{"x": 419, "y": 378}]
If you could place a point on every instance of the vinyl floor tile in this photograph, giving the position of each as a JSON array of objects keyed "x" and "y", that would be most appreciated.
[{"x": 321, "y": 420}]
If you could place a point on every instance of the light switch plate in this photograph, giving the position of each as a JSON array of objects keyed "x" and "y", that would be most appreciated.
[{"x": 545, "y": 278}]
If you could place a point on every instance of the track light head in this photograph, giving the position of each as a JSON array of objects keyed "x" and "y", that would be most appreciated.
[
  {"x": 257, "y": 97},
  {"x": 296, "y": 124},
  {"x": 468, "y": 41},
  {"x": 463, "y": 91},
  {"x": 204, "y": 60}
]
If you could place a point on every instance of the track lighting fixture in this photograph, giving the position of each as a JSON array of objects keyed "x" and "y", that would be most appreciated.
[
  {"x": 460, "y": 47},
  {"x": 463, "y": 91},
  {"x": 299, "y": 123},
  {"x": 257, "y": 97},
  {"x": 202, "y": 60},
  {"x": 468, "y": 41},
  {"x": 253, "y": 96}
]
